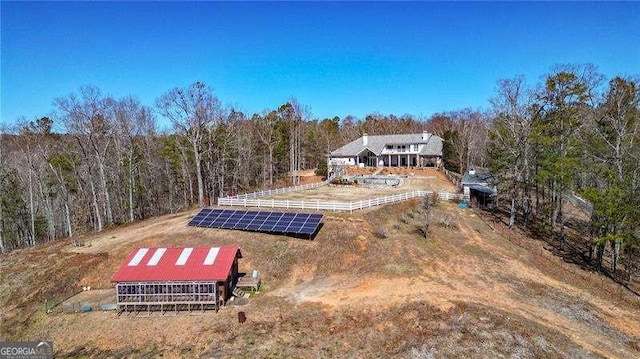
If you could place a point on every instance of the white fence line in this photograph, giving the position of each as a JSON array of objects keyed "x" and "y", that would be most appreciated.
[
  {"x": 334, "y": 205},
  {"x": 278, "y": 190}
]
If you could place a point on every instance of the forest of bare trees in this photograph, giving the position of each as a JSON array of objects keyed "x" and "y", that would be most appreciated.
[{"x": 99, "y": 161}]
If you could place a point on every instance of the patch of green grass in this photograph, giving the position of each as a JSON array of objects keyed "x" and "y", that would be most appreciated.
[
  {"x": 400, "y": 269},
  {"x": 480, "y": 253},
  {"x": 428, "y": 243}
]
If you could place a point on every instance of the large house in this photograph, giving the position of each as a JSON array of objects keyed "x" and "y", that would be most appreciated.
[{"x": 413, "y": 149}]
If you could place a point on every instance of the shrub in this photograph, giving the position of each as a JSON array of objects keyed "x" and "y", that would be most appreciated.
[
  {"x": 447, "y": 222},
  {"x": 322, "y": 169},
  {"x": 380, "y": 232}
]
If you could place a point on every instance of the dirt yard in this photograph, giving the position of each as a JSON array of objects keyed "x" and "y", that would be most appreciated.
[
  {"x": 91, "y": 298},
  {"x": 306, "y": 177},
  {"x": 108, "y": 241},
  {"x": 369, "y": 285},
  {"x": 411, "y": 179}
]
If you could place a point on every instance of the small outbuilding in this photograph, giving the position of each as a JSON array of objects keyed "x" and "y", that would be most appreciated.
[
  {"x": 480, "y": 187},
  {"x": 163, "y": 279}
]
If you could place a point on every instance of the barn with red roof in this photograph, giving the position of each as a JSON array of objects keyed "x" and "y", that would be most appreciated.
[{"x": 176, "y": 278}]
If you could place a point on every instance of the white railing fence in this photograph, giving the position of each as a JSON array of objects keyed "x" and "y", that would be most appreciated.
[
  {"x": 270, "y": 192},
  {"x": 333, "y": 205}
]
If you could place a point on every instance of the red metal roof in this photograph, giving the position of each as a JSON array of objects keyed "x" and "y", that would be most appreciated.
[{"x": 177, "y": 264}]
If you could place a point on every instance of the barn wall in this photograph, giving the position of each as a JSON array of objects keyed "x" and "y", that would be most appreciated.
[{"x": 167, "y": 295}]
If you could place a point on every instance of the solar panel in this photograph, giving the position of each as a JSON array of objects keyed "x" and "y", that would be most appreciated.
[
  {"x": 274, "y": 222},
  {"x": 253, "y": 226},
  {"x": 205, "y": 217}
]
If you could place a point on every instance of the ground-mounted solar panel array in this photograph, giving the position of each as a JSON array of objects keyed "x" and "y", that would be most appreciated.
[{"x": 259, "y": 221}]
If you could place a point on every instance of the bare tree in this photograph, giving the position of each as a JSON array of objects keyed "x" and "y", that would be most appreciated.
[
  {"x": 43, "y": 143},
  {"x": 62, "y": 165},
  {"x": 349, "y": 129},
  {"x": 266, "y": 131},
  {"x": 30, "y": 139},
  {"x": 131, "y": 123},
  {"x": 246, "y": 169},
  {"x": 221, "y": 145},
  {"x": 87, "y": 118},
  {"x": 241, "y": 148},
  {"x": 510, "y": 141},
  {"x": 294, "y": 114},
  {"x": 470, "y": 137},
  {"x": 192, "y": 111},
  {"x": 329, "y": 132}
]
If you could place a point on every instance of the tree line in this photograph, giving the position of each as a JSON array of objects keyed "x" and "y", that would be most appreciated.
[
  {"x": 573, "y": 135},
  {"x": 110, "y": 164}
]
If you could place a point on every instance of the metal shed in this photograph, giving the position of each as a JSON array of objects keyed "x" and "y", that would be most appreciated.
[{"x": 480, "y": 187}]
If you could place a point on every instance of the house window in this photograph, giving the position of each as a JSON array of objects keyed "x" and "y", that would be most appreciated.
[{"x": 389, "y": 147}]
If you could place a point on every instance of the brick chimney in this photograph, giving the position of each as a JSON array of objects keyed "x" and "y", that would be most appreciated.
[
  {"x": 425, "y": 135},
  {"x": 365, "y": 139}
]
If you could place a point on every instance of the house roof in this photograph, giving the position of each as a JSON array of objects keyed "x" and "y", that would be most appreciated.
[
  {"x": 477, "y": 178},
  {"x": 481, "y": 182},
  {"x": 177, "y": 264},
  {"x": 376, "y": 143}
]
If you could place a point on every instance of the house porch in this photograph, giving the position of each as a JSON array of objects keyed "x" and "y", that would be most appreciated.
[{"x": 397, "y": 160}]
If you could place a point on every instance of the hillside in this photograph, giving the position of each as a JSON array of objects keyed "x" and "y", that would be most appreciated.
[{"x": 368, "y": 286}]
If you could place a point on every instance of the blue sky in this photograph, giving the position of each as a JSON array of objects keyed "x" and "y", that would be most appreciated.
[{"x": 337, "y": 58}]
